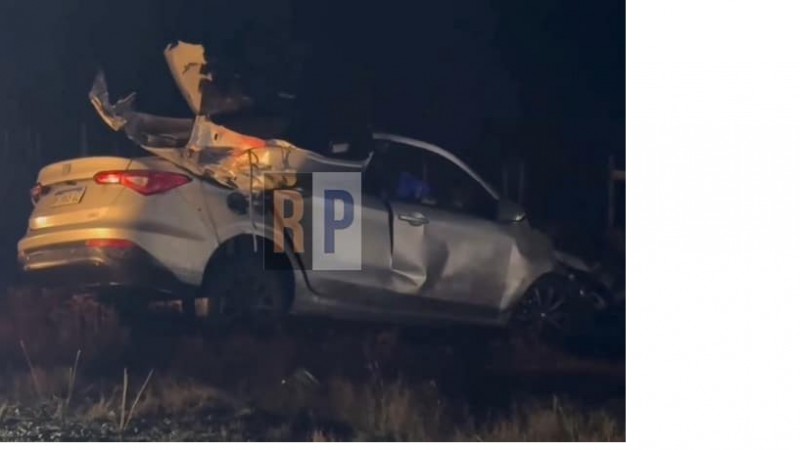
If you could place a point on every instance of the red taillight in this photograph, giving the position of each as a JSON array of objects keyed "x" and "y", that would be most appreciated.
[
  {"x": 145, "y": 182},
  {"x": 110, "y": 243}
]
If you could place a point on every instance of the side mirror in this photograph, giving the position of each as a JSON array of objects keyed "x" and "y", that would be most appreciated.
[{"x": 508, "y": 211}]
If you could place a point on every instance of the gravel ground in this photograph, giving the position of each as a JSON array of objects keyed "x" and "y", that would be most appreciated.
[
  {"x": 26, "y": 423},
  {"x": 355, "y": 383}
]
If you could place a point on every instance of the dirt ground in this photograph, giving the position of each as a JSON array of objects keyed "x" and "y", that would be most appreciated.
[{"x": 72, "y": 372}]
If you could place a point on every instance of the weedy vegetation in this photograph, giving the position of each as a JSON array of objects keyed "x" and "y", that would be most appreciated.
[{"x": 63, "y": 383}]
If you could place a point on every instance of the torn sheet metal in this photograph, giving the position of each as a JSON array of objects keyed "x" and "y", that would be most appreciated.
[
  {"x": 199, "y": 145},
  {"x": 144, "y": 129},
  {"x": 205, "y": 92},
  {"x": 187, "y": 63},
  {"x": 229, "y": 157}
]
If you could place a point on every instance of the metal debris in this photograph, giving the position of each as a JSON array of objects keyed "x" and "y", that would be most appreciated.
[{"x": 239, "y": 161}]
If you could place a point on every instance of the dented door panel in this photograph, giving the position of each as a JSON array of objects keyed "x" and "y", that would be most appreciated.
[
  {"x": 359, "y": 286},
  {"x": 449, "y": 257}
]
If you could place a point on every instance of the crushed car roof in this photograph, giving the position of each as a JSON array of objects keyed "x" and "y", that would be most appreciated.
[
  {"x": 205, "y": 148},
  {"x": 199, "y": 145}
]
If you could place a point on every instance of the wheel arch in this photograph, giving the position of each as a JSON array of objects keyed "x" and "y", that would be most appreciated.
[{"x": 286, "y": 262}]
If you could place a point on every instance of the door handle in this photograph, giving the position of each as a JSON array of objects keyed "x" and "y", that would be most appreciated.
[{"x": 415, "y": 219}]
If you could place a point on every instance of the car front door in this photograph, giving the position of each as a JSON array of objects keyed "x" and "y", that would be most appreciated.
[{"x": 447, "y": 249}]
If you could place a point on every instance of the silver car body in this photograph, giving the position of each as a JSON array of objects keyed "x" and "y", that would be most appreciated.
[
  {"x": 451, "y": 266},
  {"x": 420, "y": 261}
]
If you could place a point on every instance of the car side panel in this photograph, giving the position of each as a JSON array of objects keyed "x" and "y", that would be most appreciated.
[{"x": 453, "y": 257}]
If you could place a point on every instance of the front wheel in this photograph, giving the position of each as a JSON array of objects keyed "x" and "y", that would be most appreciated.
[{"x": 552, "y": 309}]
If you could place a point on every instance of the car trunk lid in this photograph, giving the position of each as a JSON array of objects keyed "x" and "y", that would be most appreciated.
[{"x": 66, "y": 193}]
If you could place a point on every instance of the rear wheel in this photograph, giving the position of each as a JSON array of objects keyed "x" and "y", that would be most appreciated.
[{"x": 242, "y": 293}]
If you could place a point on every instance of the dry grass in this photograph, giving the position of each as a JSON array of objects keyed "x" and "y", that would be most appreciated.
[
  {"x": 162, "y": 396},
  {"x": 395, "y": 411},
  {"x": 172, "y": 396},
  {"x": 3, "y": 408},
  {"x": 534, "y": 423},
  {"x": 401, "y": 412},
  {"x": 54, "y": 326},
  {"x": 104, "y": 409},
  {"x": 37, "y": 384},
  {"x": 246, "y": 374}
]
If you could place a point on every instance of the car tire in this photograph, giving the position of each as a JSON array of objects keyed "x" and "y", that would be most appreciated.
[
  {"x": 551, "y": 310},
  {"x": 244, "y": 295}
]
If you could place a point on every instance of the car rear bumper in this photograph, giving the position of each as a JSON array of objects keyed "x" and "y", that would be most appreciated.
[{"x": 83, "y": 267}]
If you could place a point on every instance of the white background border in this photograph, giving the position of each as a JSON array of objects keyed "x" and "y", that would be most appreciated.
[{"x": 713, "y": 163}]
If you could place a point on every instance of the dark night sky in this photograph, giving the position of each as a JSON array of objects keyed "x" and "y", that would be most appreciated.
[{"x": 543, "y": 79}]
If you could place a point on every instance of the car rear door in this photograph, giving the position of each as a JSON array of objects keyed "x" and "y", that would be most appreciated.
[{"x": 362, "y": 288}]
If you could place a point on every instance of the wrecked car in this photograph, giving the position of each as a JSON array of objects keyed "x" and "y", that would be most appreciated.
[{"x": 193, "y": 221}]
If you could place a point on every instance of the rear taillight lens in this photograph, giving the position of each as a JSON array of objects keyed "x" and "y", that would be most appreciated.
[{"x": 145, "y": 182}]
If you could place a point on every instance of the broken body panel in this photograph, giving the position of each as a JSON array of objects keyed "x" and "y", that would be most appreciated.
[{"x": 449, "y": 266}]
